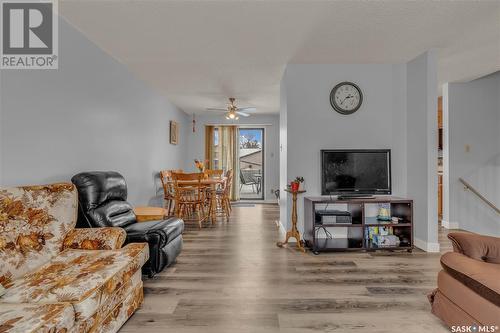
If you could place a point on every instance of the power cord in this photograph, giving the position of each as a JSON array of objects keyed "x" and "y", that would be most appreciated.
[
  {"x": 327, "y": 233},
  {"x": 328, "y": 203}
]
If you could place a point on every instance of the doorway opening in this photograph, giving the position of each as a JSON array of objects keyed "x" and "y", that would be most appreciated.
[
  {"x": 440, "y": 158},
  {"x": 251, "y": 163}
]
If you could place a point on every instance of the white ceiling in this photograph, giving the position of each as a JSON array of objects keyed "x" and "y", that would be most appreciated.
[{"x": 198, "y": 53}]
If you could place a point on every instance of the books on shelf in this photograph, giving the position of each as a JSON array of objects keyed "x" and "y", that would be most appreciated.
[{"x": 386, "y": 240}]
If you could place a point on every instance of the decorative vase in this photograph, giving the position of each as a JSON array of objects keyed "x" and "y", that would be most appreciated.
[{"x": 295, "y": 186}]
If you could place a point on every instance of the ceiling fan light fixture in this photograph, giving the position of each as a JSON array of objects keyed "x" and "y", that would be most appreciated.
[{"x": 232, "y": 112}]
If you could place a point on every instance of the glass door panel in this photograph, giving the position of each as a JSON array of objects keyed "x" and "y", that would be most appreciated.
[{"x": 251, "y": 163}]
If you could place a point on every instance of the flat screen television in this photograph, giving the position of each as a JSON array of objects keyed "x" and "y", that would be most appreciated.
[{"x": 358, "y": 171}]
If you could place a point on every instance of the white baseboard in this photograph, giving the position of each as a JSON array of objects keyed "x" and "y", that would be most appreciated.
[
  {"x": 281, "y": 229},
  {"x": 427, "y": 247},
  {"x": 449, "y": 224}
]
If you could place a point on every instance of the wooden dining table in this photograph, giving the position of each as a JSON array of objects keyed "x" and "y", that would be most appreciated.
[{"x": 211, "y": 182}]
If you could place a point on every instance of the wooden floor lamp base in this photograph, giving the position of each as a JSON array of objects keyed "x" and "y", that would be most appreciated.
[{"x": 294, "y": 232}]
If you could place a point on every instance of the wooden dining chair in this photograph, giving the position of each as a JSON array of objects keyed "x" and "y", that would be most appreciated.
[
  {"x": 168, "y": 190},
  {"x": 215, "y": 173},
  {"x": 190, "y": 200},
  {"x": 229, "y": 184},
  {"x": 224, "y": 195}
]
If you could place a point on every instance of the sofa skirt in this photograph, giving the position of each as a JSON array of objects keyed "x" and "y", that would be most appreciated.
[
  {"x": 458, "y": 305},
  {"x": 449, "y": 312},
  {"x": 108, "y": 316}
]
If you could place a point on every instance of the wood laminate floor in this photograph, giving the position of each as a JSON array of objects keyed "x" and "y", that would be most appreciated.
[{"x": 232, "y": 278}]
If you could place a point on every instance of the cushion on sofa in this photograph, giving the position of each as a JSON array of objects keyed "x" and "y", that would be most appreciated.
[
  {"x": 480, "y": 276},
  {"x": 84, "y": 278},
  {"x": 34, "y": 221},
  {"x": 479, "y": 247},
  {"x": 39, "y": 318},
  {"x": 95, "y": 239}
]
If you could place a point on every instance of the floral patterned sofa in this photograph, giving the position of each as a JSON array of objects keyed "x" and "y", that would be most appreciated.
[{"x": 58, "y": 278}]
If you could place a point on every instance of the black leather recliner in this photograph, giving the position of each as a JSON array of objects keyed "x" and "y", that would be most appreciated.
[{"x": 102, "y": 199}]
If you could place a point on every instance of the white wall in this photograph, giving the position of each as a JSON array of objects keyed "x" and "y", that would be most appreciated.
[
  {"x": 422, "y": 146},
  {"x": 283, "y": 178},
  {"x": 472, "y": 118},
  {"x": 1, "y": 139},
  {"x": 312, "y": 124},
  {"x": 196, "y": 144},
  {"x": 90, "y": 114}
]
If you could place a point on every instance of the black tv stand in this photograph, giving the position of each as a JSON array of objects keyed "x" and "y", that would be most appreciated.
[
  {"x": 357, "y": 233},
  {"x": 354, "y": 196}
]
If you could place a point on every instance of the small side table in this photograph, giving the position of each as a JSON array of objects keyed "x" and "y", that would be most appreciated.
[
  {"x": 146, "y": 213},
  {"x": 294, "y": 232}
]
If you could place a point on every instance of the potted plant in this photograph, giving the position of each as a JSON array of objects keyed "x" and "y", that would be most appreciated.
[{"x": 295, "y": 184}]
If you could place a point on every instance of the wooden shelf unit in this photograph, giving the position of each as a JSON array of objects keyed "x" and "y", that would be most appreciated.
[{"x": 362, "y": 210}]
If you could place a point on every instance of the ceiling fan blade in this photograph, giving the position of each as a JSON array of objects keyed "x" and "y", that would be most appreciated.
[
  {"x": 216, "y": 109},
  {"x": 243, "y": 114},
  {"x": 250, "y": 109}
]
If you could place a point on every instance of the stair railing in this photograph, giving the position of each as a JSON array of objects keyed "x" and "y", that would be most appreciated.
[{"x": 467, "y": 186}]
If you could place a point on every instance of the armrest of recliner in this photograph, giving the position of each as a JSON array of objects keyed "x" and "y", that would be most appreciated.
[
  {"x": 155, "y": 237},
  {"x": 95, "y": 239},
  {"x": 156, "y": 240},
  {"x": 156, "y": 233},
  {"x": 479, "y": 247}
]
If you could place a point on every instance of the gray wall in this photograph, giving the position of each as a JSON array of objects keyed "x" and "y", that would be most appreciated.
[
  {"x": 90, "y": 114},
  {"x": 312, "y": 124},
  {"x": 196, "y": 144},
  {"x": 421, "y": 146},
  {"x": 472, "y": 117}
]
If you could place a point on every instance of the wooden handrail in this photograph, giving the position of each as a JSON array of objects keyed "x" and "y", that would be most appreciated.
[{"x": 473, "y": 190}]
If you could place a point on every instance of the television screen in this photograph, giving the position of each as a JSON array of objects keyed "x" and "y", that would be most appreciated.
[{"x": 356, "y": 171}]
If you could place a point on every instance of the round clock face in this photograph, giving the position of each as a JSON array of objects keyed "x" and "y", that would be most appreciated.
[{"x": 346, "y": 98}]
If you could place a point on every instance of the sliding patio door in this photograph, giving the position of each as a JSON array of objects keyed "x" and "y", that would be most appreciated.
[{"x": 251, "y": 163}]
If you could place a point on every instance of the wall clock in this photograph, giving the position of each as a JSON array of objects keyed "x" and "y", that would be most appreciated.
[{"x": 346, "y": 98}]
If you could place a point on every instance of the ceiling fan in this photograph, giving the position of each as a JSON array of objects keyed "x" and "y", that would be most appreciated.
[{"x": 232, "y": 111}]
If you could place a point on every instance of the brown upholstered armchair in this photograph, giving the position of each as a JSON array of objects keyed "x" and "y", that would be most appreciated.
[{"x": 468, "y": 289}]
